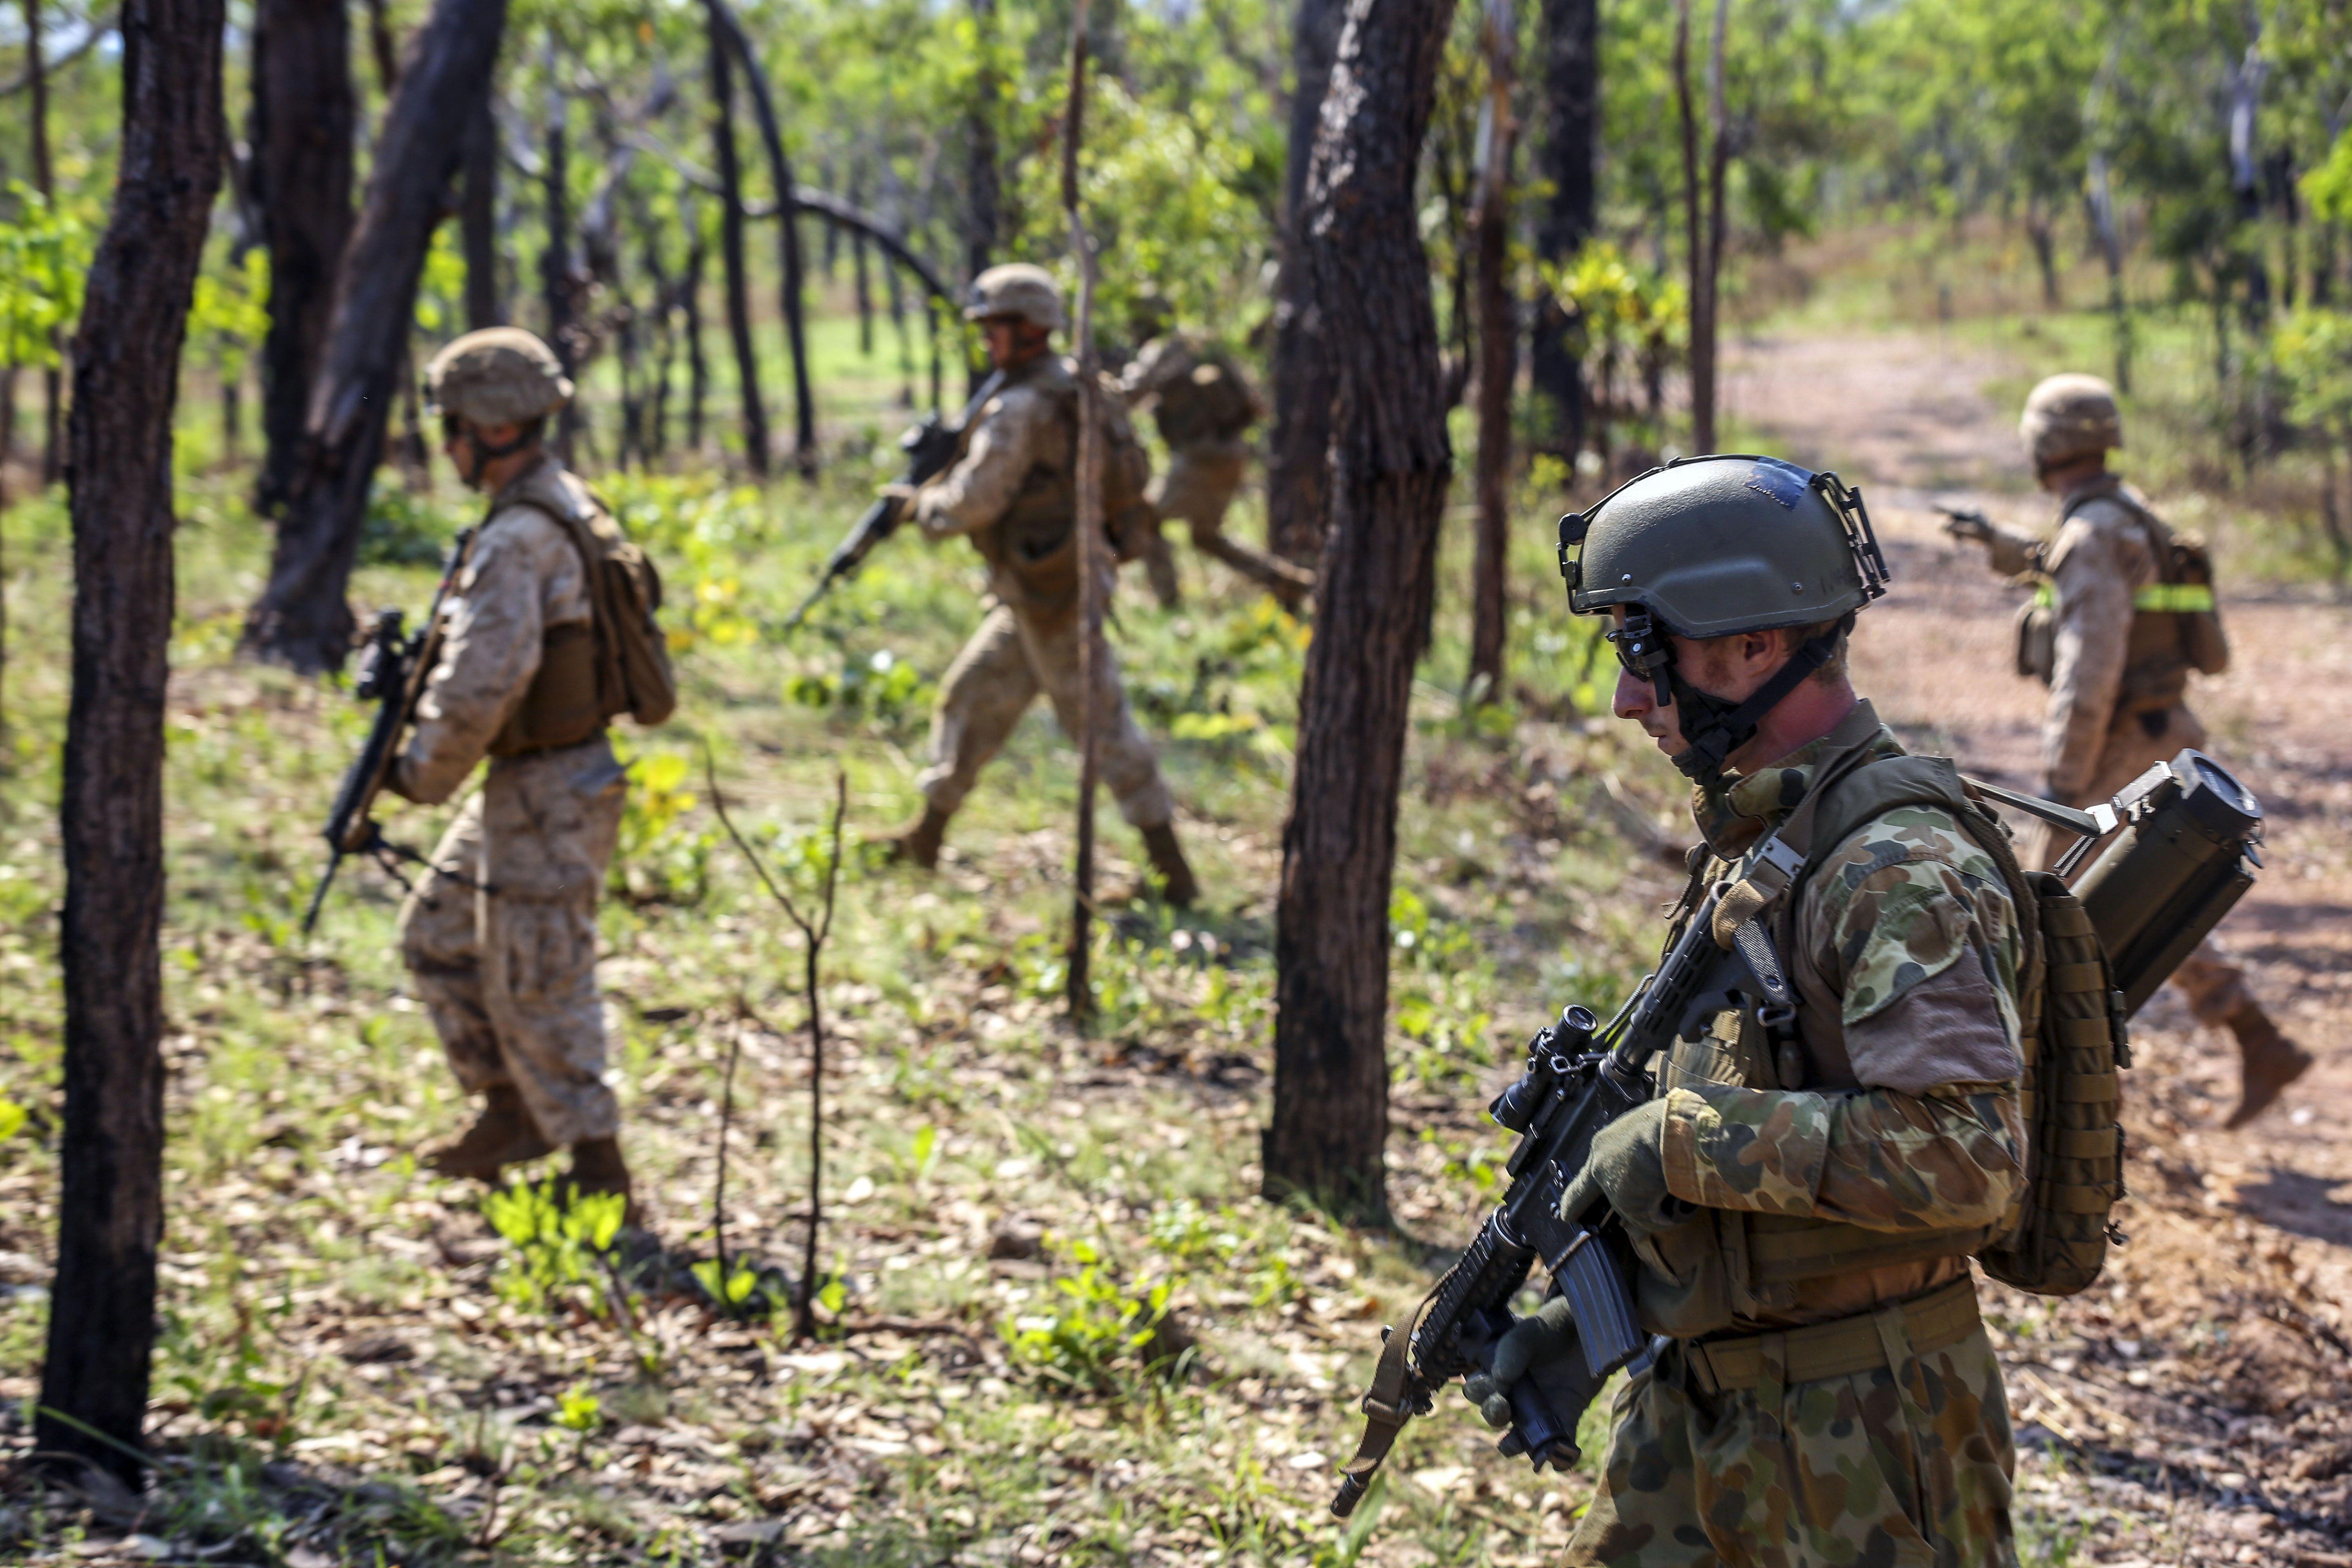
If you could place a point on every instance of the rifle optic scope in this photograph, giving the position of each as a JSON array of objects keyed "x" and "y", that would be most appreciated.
[{"x": 1551, "y": 1055}]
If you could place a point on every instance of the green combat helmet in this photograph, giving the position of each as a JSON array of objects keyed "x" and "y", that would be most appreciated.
[
  {"x": 499, "y": 376},
  {"x": 1017, "y": 290},
  {"x": 1708, "y": 547},
  {"x": 2068, "y": 417}
]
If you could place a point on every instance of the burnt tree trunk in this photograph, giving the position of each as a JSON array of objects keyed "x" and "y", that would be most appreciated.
[
  {"x": 303, "y": 115},
  {"x": 1497, "y": 357},
  {"x": 984, "y": 196},
  {"x": 556, "y": 288},
  {"x": 730, "y": 247},
  {"x": 477, "y": 218},
  {"x": 1565, "y": 160},
  {"x": 127, "y": 360},
  {"x": 788, "y": 239},
  {"x": 1390, "y": 463},
  {"x": 1301, "y": 379},
  {"x": 302, "y": 618},
  {"x": 697, "y": 363}
]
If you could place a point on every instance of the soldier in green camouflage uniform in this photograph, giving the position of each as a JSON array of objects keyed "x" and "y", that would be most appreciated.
[{"x": 1803, "y": 1192}]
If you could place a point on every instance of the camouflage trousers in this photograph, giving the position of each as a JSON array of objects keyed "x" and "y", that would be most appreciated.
[
  {"x": 2213, "y": 987},
  {"x": 507, "y": 968},
  {"x": 1014, "y": 655},
  {"x": 1199, "y": 486},
  {"x": 1902, "y": 1469}
]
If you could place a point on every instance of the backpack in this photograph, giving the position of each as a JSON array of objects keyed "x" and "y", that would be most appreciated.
[
  {"x": 624, "y": 596},
  {"x": 2053, "y": 1240},
  {"x": 2183, "y": 591}
]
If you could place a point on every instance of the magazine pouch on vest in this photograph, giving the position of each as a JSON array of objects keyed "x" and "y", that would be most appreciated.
[{"x": 619, "y": 663}]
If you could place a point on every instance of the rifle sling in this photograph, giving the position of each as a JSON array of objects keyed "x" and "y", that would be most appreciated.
[{"x": 1388, "y": 1403}]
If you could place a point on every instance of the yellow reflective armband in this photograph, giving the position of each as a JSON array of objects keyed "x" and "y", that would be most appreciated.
[{"x": 2175, "y": 598}]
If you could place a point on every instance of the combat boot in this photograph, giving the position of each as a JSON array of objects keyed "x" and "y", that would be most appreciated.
[
  {"x": 2267, "y": 1061},
  {"x": 503, "y": 1135},
  {"x": 1177, "y": 885},
  {"x": 597, "y": 1168},
  {"x": 918, "y": 843}
]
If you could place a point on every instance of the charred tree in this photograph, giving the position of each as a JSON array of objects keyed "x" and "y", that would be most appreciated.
[
  {"x": 302, "y": 618},
  {"x": 984, "y": 180},
  {"x": 556, "y": 286},
  {"x": 697, "y": 364},
  {"x": 303, "y": 115},
  {"x": 477, "y": 218},
  {"x": 1389, "y": 465},
  {"x": 1566, "y": 160},
  {"x": 102, "y": 1333},
  {"x": 1498, "y": 356},
  {"x": 1302, "y": 385},
  {"x": 730, "y": 247},
  {"x": 36, "y": 86}
]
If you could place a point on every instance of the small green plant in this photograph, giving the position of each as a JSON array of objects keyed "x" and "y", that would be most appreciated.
[
  {"x": 1100, "y": 1328},
  {"x": 554, "y": 1244},
  {"x": 734, "y": 1288}
]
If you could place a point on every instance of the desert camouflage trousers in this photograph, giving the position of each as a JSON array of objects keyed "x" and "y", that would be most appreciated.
[
  {"x": 1909, "y": 1468},
  {"x": 1199, "y": 486},
  {"x": 508, "y": 969},
  {"x": 2212, "y": 985},
  {"x": 1014, "y": 655}
]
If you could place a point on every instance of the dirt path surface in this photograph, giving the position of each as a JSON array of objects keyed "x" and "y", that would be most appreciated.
[{"x": 2195, "y": 1405}]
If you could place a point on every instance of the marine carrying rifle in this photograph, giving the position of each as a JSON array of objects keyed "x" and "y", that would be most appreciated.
[
  {"x": 930, "y": 446},
  {"x": 392, "y": 673},
  {"x": 1580, "y": 1077}
]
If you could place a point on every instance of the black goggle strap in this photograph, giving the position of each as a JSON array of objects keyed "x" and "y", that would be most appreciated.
[
  {"x": 1643, "y": 650},
  {"x": 1716, "y": 740}
]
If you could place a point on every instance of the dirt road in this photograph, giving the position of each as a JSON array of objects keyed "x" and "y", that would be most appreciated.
[{"x": 2195, "y": 1405}]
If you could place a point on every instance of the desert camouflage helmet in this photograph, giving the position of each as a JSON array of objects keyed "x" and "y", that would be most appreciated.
[
  {"x": 1722, "y": 544},
  {"x": 1017, "y": 290},
  {"x": 500, "y": 375},
  {"x": 2070, "y": 416}
]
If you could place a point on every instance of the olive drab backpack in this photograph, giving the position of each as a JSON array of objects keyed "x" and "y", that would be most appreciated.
[
  {"x": 2054, "y": 1239},
  {"x": 2182, "y": 593},
  {"x": 625, "y": 595}
]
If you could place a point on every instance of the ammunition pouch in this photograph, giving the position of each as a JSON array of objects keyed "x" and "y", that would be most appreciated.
[{"x": 562, "y": 707}]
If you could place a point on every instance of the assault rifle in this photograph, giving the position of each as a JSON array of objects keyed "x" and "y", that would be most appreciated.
[
  {"x": 1580, "y": 1077},
  {"x": 930, "y": 446},
  {"x": 392, "y": 674}
]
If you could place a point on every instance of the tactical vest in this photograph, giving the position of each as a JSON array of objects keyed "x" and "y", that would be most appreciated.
[
  {"x": 2176, "y": 626},
  {"x": 1032, "y": 549},
  {"x": 614, "y": 662},
  {"x": 1211, "y": 401},
  {"x": 1725, "y": 1265}
]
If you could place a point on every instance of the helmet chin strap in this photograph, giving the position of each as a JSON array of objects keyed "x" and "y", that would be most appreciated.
[{"x": 1715, "y": 727}]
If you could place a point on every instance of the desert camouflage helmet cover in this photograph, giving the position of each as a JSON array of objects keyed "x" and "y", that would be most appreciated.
[
  {"x": 2070, "y": 416},
  {"x": 499, "y": 376},
  {"x": 1721, "y": 544},
  {"x": 1019, "y": 290}
]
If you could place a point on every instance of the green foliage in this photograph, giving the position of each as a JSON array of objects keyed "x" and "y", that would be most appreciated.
[
  {"x": 230, "y": 313},
  {"x": 553, "y": 1240},
  {"x": 1101, "y": 1328},
  {"x": 660, "y": 856},
  {"x": 45, "y": 254},
  {"x": 2313, "y": 352}
]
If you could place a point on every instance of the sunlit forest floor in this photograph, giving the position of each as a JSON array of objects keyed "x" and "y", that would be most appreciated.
[{"x": 360, "y": 1365}]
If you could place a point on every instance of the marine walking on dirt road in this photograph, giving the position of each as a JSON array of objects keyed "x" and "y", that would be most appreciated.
[
  {"x": 1012, "y": 491},
  {"x": 546, "y": 636},
  {"x": 2124, "y": 614},
  {"x": 1205, "y": 407},
  {"x": 1805, "y": 1188}
]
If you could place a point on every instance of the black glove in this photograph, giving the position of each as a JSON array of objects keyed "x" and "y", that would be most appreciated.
[
  {"x": 1628, "y": 1165},
  {"x": 1543, "y": 1349}
]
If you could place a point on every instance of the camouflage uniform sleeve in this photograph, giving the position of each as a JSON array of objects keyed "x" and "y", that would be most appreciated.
[
  {"x": 2092, "y": 564},
  {"x": 978, "y": 489},
  {"x": 493, "y": 626},
  {"x": 1161, "y": 361},
  {"x": 1910, "y": 923},
  {"x": 2010, "y": 553}
]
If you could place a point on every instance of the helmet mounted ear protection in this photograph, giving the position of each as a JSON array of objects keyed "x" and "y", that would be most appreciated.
[{"x": 1715, "y": 546}]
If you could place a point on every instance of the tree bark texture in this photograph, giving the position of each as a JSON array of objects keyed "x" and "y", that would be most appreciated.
[
  {"x": 1388, "y": 467},
  {"x": 557, "y": 287},
  {"x": 53, "y": 381},
  {"x": 303, "y": 115},
  {"x": 302, "y": 618},
  {"x": 1497, "y": 357},
  {"x": 1301, "y": 444},
  {"x": 1571, "y": 112},
  {"x": 127, "y": 356},
  {"x": 984, "y": 198},
  {"x": 477, "y": 218},
  {"x": 754, "y": 412}
]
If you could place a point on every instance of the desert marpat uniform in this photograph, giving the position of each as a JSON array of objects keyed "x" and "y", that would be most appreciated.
[
  {"x": 1203, "y": 407},
  {"x": 1764, "y": 1436},
  {"x": 1012, "y": 492},
  {"x": 2118, "y": 684},
  {"x": 500, "y": 933}
]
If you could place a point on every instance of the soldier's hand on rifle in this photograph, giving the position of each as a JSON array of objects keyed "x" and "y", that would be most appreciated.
[
  {"x": 1629, "y": 1168},
  {"x": 1967, "y": 524},
  {"x": 1535, "y": 1344},
  {"x": 904, "y": 494}
]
